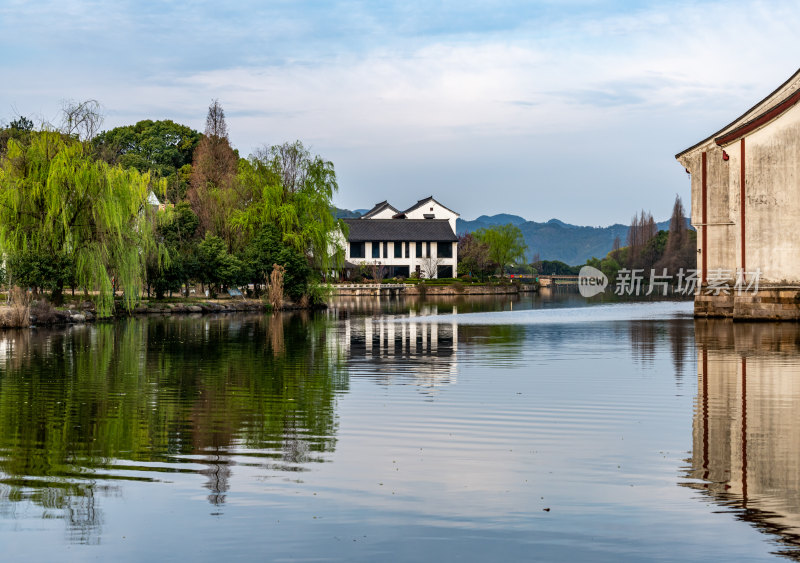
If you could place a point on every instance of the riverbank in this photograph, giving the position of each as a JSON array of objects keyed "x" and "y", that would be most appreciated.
[
  {"x": 42, "y": 313},
  {"x": 423, "y": 289}
]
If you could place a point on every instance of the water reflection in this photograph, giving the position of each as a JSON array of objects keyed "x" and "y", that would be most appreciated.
[
  {"x": 85, "y": 408},
  {"x": 746, "y": 428},
  {"x": 446, "y": 304},
  {"x": 413, "y": 347},
  {"x": 646, "y": 337}
]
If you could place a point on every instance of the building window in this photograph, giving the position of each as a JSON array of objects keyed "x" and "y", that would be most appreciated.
[
  {"x": 419, "y": 250},
  {"x": 398, "y": 250},
  {"x": 408, "y": 252},
  {"x": 376, "y": 249},
  {"x": 428, "y": 249},
  {"x": 385, "y": 249},
  {"x": 356, "y": 250},
  {"x": 444, "y": 250},
  {"x": 444, "y": 271}
]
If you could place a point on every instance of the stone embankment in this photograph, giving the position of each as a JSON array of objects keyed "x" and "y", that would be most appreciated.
[
  {"x": 770, "y": 303},
  {"x": 367, "y": 289},
  {"x": 42, "y": 314}
]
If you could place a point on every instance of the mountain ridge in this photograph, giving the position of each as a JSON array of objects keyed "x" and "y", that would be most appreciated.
[{"x": 551, "y": 240}]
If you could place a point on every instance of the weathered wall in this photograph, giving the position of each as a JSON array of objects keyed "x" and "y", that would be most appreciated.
[{"x": 772, "y": 199}]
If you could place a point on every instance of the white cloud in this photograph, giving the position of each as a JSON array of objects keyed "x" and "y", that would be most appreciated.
[{"x": 447, "y": 114}]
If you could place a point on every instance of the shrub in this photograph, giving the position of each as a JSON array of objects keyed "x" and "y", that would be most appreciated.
[
  {"x": 19, "y": 314},
  {"x": 44, "y": 312}
]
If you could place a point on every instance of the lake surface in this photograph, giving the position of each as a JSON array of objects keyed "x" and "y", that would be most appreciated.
[{"x": 442, "y": 430}]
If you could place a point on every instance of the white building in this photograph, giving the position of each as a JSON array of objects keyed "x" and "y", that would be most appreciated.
[{"x": 422, "y": 239}]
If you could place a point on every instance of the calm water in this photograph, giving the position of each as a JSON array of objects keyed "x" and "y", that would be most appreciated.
[{"x": 455, "y": 430}]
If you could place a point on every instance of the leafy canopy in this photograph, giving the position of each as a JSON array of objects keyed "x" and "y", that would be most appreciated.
[
  {"x": 506, "y": 244},
  {"x": 293, "y": 190},
  {"x": 55, "y": 198}
]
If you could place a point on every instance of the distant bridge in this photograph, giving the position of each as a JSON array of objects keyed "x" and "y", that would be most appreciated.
[{"x": 551, "y": 281}]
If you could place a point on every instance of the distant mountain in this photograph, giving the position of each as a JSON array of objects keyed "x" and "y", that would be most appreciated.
[
  {"x": 501, "y": 219},
  {"x": 553, "y": 240},
  {"x": 556, "y": 240},
  {"x": 347, "y": 214}
]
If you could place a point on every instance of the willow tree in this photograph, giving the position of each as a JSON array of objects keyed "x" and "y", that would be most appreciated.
[
  {"x": 56, "y": 200},
  {"x": 293, "y": 190},
  {"x": 506, "y": 245}
]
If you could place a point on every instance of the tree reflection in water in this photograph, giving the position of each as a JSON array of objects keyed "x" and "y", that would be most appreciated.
[
  {"x": 746, "y": 428},
  {"x": 645, "y": 336},
  {"x": 79, "y": 406}
]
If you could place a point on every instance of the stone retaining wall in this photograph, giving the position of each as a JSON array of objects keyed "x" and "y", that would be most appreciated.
[
  {"x": 780, "y": 303},
  {"x": 352, "y": 290}
]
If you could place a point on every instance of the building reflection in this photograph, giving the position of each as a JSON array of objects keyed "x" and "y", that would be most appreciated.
[
  {"x": 410, "y": 347},
  {"x": 746, "y": 430},
  {"x": 647, "y": 338}
]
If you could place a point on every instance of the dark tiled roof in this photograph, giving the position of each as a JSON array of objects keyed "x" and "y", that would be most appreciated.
[
  {"x": 378, "y": 208},
  {"x": 414, "y": 230}
]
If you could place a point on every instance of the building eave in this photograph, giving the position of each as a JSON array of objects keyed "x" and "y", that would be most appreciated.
[
  {"x": 743, "y": 121},
  {"x": 759, "y": 121}
]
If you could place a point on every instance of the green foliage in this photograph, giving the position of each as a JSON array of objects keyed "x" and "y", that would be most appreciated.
[
  {"x": 473, "y": 256},
  {"x": 125, "y": 391},
  {"x": 22, "y": 123},
  {"x": 608, "y": 265},
  {"x": 160, "y": 147},
  {"x": 318, "y": 293},
  {"x": 216, "y": 267},
  {"x": 555, "y": 267},
  {"x": 176, "y": 232},
  {"x": 292, "y": 190},
  {"x": 163, "y": 148},
  {"x": 266, "y": 249},
  {"x": 19, "y": 129},
  {"x": 506, "y": 244},
  {"x": 43, "y": 271},
  {"x": 55, "y": 198}
]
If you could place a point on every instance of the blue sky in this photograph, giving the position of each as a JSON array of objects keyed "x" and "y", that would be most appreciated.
[{"x": 571, "y": 109}]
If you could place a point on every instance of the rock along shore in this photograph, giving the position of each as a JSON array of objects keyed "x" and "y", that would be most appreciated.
[{"x": 42, "y": 314}]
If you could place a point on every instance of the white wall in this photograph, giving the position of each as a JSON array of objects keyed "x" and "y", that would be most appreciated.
[
  {"x": 438, "y": 211},
  {"x": 412, "y": 260}
]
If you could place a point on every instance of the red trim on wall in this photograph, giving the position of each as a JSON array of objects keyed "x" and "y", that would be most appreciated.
[
  {"x": 757, "y": 122},
  {"x": 704, "y": 252},
  {"x": 741, "y": 204},
  {"x": 744, "y": 431}
]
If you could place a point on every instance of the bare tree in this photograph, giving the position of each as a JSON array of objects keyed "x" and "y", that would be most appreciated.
[
  {"x": 295, "y": 165},
  {"x": 378, "y": 271},
  {"x": 213, "y": 173},
  {"x": 429, "y": 267},
  {"x": 215, "y": 121},
  {"x": 679, "y": 252},
  {"x": 82, "y": 119},
  {"x": 642, "y": 229}
]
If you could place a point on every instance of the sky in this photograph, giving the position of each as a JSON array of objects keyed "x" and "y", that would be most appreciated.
[{"x": 572, "y": 109}]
